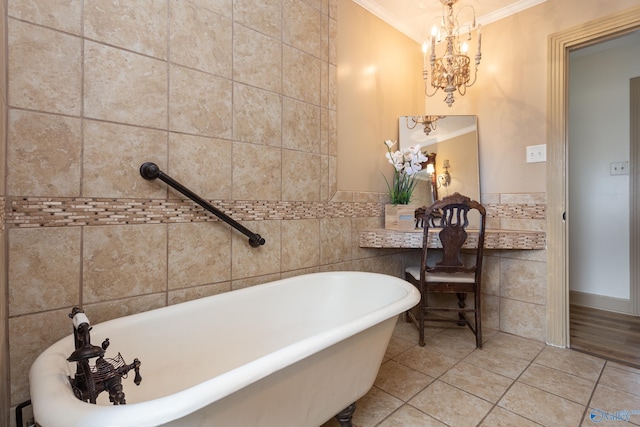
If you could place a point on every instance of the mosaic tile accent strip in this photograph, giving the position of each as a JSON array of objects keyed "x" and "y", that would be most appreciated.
[
  {"x": 87, "y": 211},
  {"x": 516, "y": 210},
  {"x": 494, "y": 239},
  {"x": 58, "y": 212}
]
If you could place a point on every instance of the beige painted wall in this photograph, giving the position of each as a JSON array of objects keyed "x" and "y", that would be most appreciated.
[
  {"x": 379, "y": 80},
  {"x": 509, "y": 97}
]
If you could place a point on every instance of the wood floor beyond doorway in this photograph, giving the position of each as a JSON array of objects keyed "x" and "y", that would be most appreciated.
[{"x": 610, "y": 335}]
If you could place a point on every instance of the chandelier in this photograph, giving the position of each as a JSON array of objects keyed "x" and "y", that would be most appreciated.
[
  {"x": 451, "y": 71},
  {"x": 429, "y": 122}
]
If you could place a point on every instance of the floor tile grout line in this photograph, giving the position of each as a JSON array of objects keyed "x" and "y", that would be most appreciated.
[
  {"x": 595, "y": 386},
  {"x": 507, "y": 391}
]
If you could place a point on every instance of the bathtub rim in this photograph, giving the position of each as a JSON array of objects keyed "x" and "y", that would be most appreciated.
[{"x": 215, "y": 388}]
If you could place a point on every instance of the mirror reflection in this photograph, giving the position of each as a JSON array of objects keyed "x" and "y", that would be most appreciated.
[{"x": 451, "y": 143}]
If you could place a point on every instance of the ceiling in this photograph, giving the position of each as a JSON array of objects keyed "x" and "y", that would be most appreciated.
[{"x": 416, "y": 17}]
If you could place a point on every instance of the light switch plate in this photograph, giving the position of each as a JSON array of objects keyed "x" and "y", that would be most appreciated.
[{"x": 537, "y": 153}]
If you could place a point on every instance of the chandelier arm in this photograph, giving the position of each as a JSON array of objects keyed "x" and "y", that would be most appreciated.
[
  {"x": 475, "y": 76},
  {"x": 426, "y": 89}
]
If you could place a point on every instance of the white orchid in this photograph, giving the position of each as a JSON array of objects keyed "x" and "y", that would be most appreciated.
[{"x": 406, "y": 163}]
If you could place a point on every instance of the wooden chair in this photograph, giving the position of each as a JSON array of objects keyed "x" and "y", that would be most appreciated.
[{"x": 458, "y": 267}]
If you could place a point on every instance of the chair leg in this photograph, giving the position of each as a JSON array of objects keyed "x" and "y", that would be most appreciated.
[
  {"x": 423, "y": 302},
  {"x": 462, "y": 304},
  {"x": 478, "y": 316}
]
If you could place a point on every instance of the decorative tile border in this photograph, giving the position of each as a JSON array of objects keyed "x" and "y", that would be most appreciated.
[
  {"x": 516, "y": 210},
  {"x": 25, "y": 212},
  {"x": 494, "y": 239},
  {"x": 57, "y": 212}
]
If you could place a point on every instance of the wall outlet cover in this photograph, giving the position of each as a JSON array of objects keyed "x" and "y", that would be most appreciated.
[{"x": 619, "y": 168}]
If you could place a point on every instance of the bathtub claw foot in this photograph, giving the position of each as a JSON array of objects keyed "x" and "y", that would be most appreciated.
[{"x": 345, "y": 416}]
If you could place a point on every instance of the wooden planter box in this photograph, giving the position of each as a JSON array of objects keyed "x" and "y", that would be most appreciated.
[{"x": 399, "y": 217}]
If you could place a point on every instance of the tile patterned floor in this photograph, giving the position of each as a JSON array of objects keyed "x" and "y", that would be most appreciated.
[{"x": 511, "y": 382}]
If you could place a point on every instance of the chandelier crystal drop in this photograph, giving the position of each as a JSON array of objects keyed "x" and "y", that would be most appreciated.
[{"x": 451, "y": 72}]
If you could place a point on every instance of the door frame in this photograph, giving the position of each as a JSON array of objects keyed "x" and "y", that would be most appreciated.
[{"x": 559, "y": 46}]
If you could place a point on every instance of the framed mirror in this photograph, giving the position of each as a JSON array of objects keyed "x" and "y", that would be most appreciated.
[{"x": 451, "y": 143}]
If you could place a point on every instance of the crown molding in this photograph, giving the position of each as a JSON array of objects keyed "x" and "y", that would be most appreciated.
[
  {"x": 373, "y": 7},
  {"x": 512, "y": 9},
  {"x": 389, "y": 18}
]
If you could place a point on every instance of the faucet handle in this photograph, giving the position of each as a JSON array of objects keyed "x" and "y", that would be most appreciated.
[
  {"x": 136, "y": 366},
  {"x": 105, "y": 344}
]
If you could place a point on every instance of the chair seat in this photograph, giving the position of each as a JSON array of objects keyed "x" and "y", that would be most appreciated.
[{"x": 414, "y": 271}]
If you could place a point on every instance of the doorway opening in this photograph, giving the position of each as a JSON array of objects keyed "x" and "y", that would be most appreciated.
[{"x": 558, "y": 213}]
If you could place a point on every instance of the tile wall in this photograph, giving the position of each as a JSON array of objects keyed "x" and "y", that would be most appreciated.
[{"x": 237, "y": 100}]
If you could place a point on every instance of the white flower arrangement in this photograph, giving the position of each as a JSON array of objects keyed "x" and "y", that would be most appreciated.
[{"x": 406, "y": 164}]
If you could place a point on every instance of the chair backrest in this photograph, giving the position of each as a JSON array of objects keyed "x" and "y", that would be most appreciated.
[{"x": 451, "y": 216}]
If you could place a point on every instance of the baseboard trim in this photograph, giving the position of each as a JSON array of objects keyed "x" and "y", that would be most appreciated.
[{"x": 601, "y": 302}]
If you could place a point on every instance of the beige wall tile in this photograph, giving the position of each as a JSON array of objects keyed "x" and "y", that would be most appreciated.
[
  {"x": 262, "y": 16},
  {"x": 301, "y": 75},
  {"x": 302, "y": 26},
  {"x": 223, "y": 7},
  {"x": 201, "y": 39},
  {"x": 201, "y": 164},
  {"x": 333, "y": 36},
  {"x": 44, "y": 69},
  {"x": 65, "y": 15},
  {"x": 257, "y": 59},
  {"x": 523, "y": 224},
  {"x": 359, "y": 224},
  {"x": 333, "y": 87},
  {"x": 29, "y": 336},
  {"x": 333, "y": 133},
  {"x": 124, "y": 87},
  {"x": 300, "y": 244},
  {"x": 40, "y": 278},
  {"x": 300, "y": 176},
  {"x": 333, "y": 177},
  {"x": 256, "y": 172},
  {"x": 137, "y": 25},
  {"x": 44, "y": 155},
  {"x": 490, "y": 312},
  {"x": 324, "y": 131},
  {"x": 491, "y": 275},
  {"x": 388, "y": 264},
  {"x": 335, "y": 240},
  {"x": 324, "y": 38},
  {"x": 112, "y": 157},
  {"x": 523, "y": 198},
  {"x": 253, "y": 281},
  {"x": 303, "y": 271},
  {"x": 324, "y": 178},
  {"x": 200, "y": 103},
  {"x": 107, "y": 310},
  {"x": 199, "y": 254},
  {"x": 123, "y": 261},
  {"x": 523, "y": 280},
  {"x": 300, "y": 126},
  {"x": 188, "y": 294},
  {"x": 523, "y": 319},
  {"x": 247, "y": 261},
  {"x": 257, "y": 115}
]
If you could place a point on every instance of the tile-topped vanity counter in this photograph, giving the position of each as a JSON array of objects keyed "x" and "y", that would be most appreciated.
[{"x": 493, "y": 239}]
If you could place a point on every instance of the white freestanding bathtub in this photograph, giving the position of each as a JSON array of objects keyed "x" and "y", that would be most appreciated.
[{"x": 293, "y": 352}]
